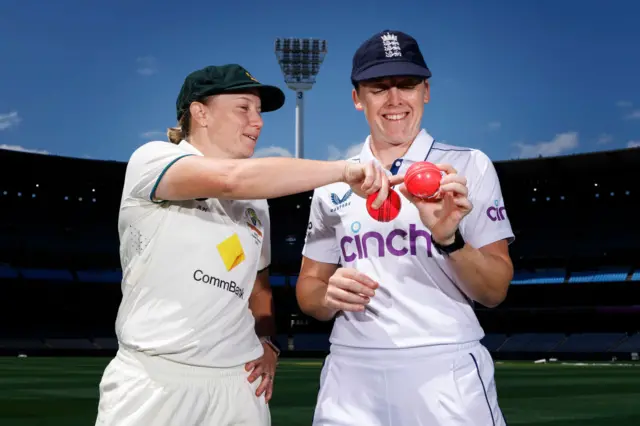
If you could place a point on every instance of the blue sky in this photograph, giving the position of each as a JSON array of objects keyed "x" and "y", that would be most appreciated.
[{"x": 514, "y": 79}]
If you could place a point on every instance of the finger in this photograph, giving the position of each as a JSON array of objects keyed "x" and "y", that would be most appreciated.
[
  {"x": 454, "y": 188},
  {"x": 377, "y": 181},
  {"x": 453, "y": 178},
  {"x": 257, "y": 372},
  {"x": 463, "y": 203},
  {"x": 346, "y": 307},
  {"x": 359, "y": 277},
  {"x": 249, "y": 366},
  {"x": 369, "y": 176},
  {"x": 404, "y": 191},
  {"x": 263, "y": 385},
  {"x": 396, "y": 180},
  {"x": 269, "y": 391},
  {"x": 447, "y": 168},
  {"x": 352, "y": 286},
  {"x": 383, "y": 192},
  {"x": 343, "y": 296}
]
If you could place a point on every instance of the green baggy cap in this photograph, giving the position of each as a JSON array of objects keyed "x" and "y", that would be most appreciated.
[{"x": 214, "y": 80}]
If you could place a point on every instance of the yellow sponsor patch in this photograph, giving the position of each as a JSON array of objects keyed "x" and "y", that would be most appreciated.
[{"x": 231, "y": 252}]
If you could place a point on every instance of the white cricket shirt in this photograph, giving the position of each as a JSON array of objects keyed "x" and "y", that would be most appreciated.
[
  {"x": 189, "y": 267},
  {"x": 418, "y": 302}
]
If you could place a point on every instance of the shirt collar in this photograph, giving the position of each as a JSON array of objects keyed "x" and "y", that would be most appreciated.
[
  {"x": 186, "y": 146},
  {"x": 418, "y": 151}
]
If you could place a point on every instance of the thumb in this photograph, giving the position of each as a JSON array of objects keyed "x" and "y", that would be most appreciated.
[
  {"x": 403, "y": 190},
  {"x": 396, "y": 179}
]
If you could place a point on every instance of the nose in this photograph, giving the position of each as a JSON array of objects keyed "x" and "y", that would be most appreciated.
[
  {"x": 256, "y": 120},
  {"x": 394, "y": 96}
]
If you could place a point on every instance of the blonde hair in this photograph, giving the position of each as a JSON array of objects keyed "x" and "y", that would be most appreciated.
[{"x": 181, "y": 131}]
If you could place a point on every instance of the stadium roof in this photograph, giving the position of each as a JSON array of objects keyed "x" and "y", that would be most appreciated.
[{"x": 614, "y": 159}]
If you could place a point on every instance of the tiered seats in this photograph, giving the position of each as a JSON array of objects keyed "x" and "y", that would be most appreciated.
[
  {"x": 605, "y": 275},
  {"x": 80, "y": 344},
  {"x": 493, "y": 341},
  {"x": 591, "y": 342},
  {"x": 311, "y": 342},
  {"x": 540, "y": 276},
  {"x": 631, "y": 344},
  {"x": 532, "y": 342}
]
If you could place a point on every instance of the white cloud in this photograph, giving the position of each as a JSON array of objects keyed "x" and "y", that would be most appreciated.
[
  {"x": 336, "y": 153},
  {"x": 272, "y": 151},
  {"x": 561, "y": 143},
  {"x": 153, "y": 134},
  {"x": 147, "y": 65},
  {"x": 494, "y": 125},
  {"x": 633, "y": 115},
  {"x": 23, "y": 149},
  {"x": 633, "y": 144},
  {"x": 624, "y": 104},
  {"x": 9, "y": 120},
  {"x": 604, "y": 139}
]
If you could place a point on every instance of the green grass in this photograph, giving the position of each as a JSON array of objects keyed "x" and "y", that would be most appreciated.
[{"x": 63, "y": 391}]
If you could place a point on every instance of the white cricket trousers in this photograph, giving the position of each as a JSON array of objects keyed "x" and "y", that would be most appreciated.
[
  {"x": 140, "y": 390},
  {"x": 449, "y": 385}
]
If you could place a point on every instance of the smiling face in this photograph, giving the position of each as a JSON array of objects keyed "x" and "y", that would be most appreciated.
[
  {"x": 393, "y": 107},
  {"x": 233, "y": 122}
]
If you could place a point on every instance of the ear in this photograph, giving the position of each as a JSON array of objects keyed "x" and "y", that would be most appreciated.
[
  {"x": 356, "y": 100},
  {"x": 198, "y": 113},
  {"x": 427, "y": 92}
]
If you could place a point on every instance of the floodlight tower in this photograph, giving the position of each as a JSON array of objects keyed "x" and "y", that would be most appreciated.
[{"x": 300, "y": 60}]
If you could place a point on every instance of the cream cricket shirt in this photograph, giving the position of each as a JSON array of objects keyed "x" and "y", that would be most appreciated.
[
  {"x": 419, "y": 301},
  {"x": 188, "y": 267}
]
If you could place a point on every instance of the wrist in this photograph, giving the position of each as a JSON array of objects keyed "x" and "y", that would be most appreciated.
[
  {"x": 344, "y": 170},
  {"x": 450, "y": 245},
  {"x": 266, "y": 341},
  {"x": 446, "y": 242}
]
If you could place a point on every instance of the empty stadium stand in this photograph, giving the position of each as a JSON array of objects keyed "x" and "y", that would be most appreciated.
[{"x": 575, "y": 293}]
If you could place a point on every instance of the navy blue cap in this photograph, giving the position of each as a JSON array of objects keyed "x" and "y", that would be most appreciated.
[{"x": 386, "y": 54}]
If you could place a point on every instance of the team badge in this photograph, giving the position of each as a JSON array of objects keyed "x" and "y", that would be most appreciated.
[{"x": 254, "y": 224}]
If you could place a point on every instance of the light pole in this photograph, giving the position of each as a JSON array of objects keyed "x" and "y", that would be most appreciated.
[{"x": 300, "y": 60}]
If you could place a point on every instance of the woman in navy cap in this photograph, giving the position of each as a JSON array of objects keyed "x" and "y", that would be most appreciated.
[{"x": 194, "y": 235}]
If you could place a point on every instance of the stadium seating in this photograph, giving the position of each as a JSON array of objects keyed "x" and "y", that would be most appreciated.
[
  {"x": 540, "y": 276},
  {"x": 591, "y": 342},
  {"x": 603, "y": 275},
  {"x": 573, "y": 291}
]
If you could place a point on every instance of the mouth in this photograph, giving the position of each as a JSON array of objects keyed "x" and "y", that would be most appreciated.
[
  {"x": 253, "y": 138},
  {"x": 395, "y": 117}
]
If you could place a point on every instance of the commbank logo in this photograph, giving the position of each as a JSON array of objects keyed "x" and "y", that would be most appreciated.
[
  {"x": 374, "y": 244},
  {"x": 496, "y": 213},
  {"x": 230, "y": 286}
]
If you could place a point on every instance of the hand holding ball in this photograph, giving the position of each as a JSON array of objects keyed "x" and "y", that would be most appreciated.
[
  {"x": 389, "y": 209},
  {"x": 422, "y": 179}
]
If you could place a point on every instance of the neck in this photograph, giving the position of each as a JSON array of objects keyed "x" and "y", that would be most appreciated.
[
  {"x": 208, "y": 148},
  {"x": 386, "y": 153}
]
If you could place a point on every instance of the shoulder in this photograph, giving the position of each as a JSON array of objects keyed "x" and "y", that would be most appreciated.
[
  {"x": 153, "y": 149},
  {"x": 464, "y": 159}
]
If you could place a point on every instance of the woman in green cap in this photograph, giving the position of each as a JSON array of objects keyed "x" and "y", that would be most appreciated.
[{"x": 195, "y": 248}]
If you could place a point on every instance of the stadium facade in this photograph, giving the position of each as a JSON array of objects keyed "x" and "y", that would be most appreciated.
[{"x": 575, "y": 294}]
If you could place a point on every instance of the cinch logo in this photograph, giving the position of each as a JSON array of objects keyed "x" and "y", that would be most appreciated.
[
  {"x": 373, "y": 243},
  {"x": 340, "y": 202},
  {"x": 496, "y": 213},
  {"x": 229, "y": 286}
]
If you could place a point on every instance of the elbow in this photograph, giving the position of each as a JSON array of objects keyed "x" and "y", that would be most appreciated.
[
  {"x": 494, "y": 297},
  {"x": 302, "y": 299}
]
